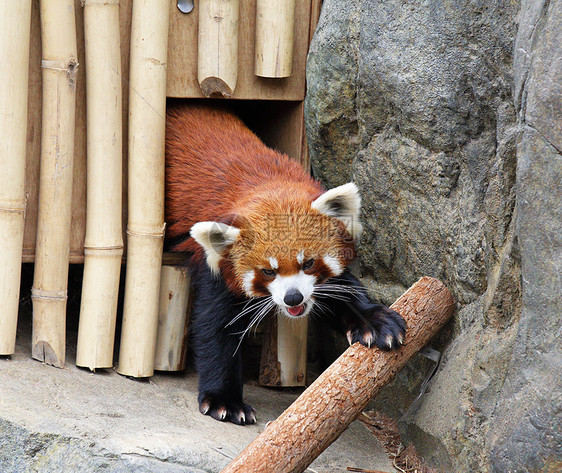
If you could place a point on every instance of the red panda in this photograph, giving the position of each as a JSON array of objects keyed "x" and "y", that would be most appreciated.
[{"x": 260, "y": 229}]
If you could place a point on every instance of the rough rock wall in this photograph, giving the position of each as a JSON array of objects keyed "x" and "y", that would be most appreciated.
[{"x": 448, "y": 115}]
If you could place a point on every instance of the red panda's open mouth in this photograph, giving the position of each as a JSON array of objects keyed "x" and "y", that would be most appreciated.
[{"x": 296, "y": 310}]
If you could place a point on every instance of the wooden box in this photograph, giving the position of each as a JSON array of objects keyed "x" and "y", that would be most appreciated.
[{"x": 272, "y": 107}]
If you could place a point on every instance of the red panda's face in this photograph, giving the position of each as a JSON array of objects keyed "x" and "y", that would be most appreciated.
[
  {"x": 291, "y": 284},
  {"x": 285, "y": 252}
]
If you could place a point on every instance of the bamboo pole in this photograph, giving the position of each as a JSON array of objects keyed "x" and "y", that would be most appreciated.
[
  {"x": 291, "y": 350},
  {"x": 49, "y": 292},
  {"x": 145, "y": 227},
  {"x": 15, "y": 24},
  {"x": 275, "y": 30},
  {"x": 103, "y": 245},
  {"x": 283, "y": 359},
  {"x": 317, "y": 418},
  {"x": 217, "y": 58},
  {"x": 171, "y": 344}
]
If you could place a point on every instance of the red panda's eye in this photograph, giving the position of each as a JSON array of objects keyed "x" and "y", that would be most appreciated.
[
  {"x": 270, "y": 273},
  {"x": 308, "y": 264}
]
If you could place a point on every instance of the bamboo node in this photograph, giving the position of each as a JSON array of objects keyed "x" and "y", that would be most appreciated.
[
  {"x": 69, "y": 67},
  {"x": 146, "y": 232},
  {"x": 54, "y": 296},
  {"x": 103, "y": 250},
  {"x": 18, "y": 208}
]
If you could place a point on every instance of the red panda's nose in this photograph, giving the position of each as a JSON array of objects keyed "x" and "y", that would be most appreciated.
[{"x": 293, "y": 297}]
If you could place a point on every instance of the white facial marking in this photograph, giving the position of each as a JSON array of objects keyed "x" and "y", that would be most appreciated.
[
  {"x": 303, "y": 282},
  {"x": 334, "y": 265},
  {"x": 273, "y": 262},
  {"x": 248, "y": 283},
  {"x": 300, "y": 257}
]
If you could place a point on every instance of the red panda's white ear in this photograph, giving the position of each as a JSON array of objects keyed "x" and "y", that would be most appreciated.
[
  {"x": 343, "y": 203},
  {"x": 214, "y": 237}
]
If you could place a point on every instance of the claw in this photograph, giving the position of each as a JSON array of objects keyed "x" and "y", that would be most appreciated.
[
  {"x": 222, "y": 412},
  {"x": 204, "y": 407},
  {"x": 349, "y": 337},
  {"x": 389, "y": 341}
]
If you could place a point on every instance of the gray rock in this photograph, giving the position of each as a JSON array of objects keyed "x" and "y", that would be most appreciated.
[
  {"x": 528, "y": 430},
  {"x": 448, "y": 116},
  {"x": 414, "y": 104}
]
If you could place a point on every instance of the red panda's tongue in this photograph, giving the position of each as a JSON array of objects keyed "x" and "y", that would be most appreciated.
[{"x": 296, "y": 310}]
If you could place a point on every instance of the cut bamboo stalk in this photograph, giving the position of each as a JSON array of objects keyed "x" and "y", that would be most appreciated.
[
  {"x": 15, "y": 26},
  {"x": 275, "y": 30},
  {"x": 49, "y": 292},
  {"x": 171, "y": 345},
  {"x": 283, "y": 359},
  {"x": 145, "y": 227},
  {"x": 291, "y": 350},
  {"x": 103, "y": 245},
  {"x": 217, "y": 57},
  {"x": 337, "y": 397}
]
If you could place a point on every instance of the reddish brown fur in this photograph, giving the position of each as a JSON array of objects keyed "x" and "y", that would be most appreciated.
[{"x": 218, "y": 170}]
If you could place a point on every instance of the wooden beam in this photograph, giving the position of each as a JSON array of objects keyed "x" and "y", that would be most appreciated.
[{"x": 317, "y": 418}]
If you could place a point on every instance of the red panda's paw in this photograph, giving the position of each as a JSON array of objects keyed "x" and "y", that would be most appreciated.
[
  {"x": 383, "y": 327},
  {"x": 227, "y": 410}
]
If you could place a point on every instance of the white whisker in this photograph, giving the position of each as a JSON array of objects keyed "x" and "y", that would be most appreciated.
[
  {"x": 342, "y": 287},
  {"x": 339, "y": 297},
  {"x": 322, "y": 306},
  {"x": 255, "y": 320},
  {"x": 257, "y": 305}
]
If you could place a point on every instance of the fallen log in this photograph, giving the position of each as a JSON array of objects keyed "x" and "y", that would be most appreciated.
[{"x": 337, "y": 397}]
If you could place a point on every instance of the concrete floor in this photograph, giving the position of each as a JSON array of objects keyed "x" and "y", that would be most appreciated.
[{"x": 70, "y": 420}]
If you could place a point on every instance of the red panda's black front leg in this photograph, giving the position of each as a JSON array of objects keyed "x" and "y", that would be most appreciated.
[
  {"x": 361, "y": 319},
  {"x": 217, "y": 355}
]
